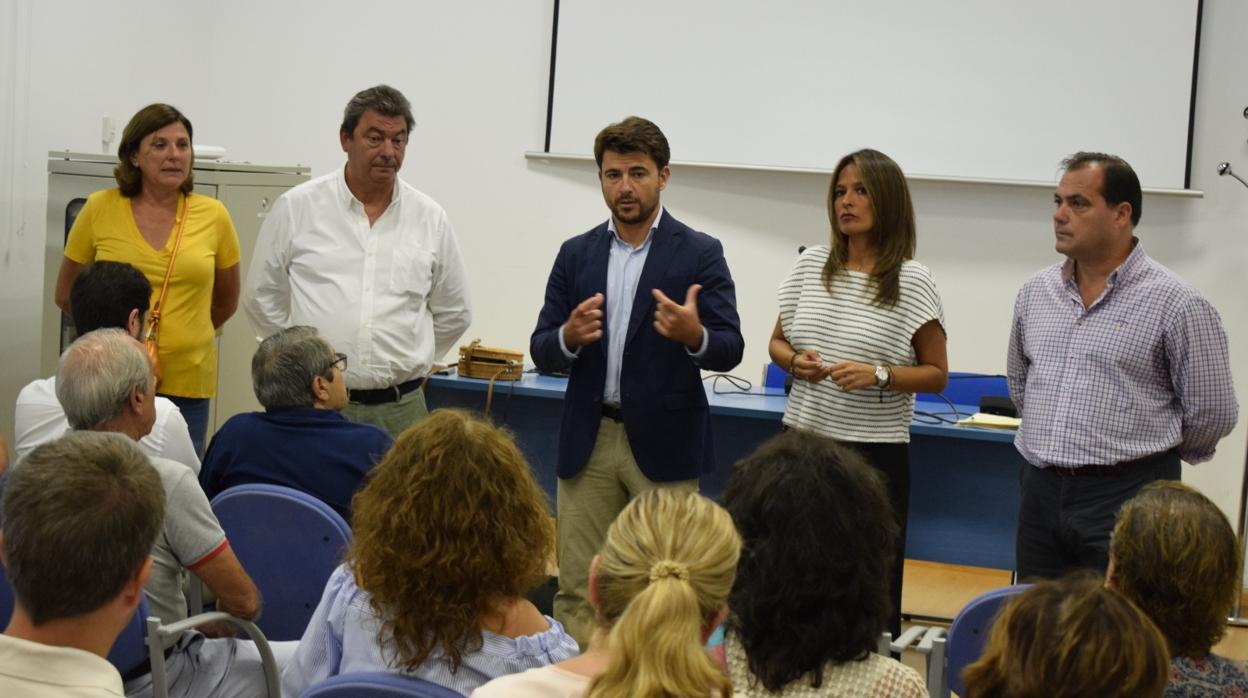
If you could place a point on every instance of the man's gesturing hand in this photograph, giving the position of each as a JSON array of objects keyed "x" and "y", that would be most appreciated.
[
  {"x": 679, "y": 322},
  {"x": 584, "y": 325}
]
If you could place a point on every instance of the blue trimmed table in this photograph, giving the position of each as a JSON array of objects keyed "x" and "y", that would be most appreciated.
[{"x": 964, "y": 480}]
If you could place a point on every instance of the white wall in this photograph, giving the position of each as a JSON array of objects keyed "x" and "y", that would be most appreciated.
[{"x": 268, "y": 80}]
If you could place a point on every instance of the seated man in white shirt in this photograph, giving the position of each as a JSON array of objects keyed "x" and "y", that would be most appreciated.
[
  {"x": 105, "y": 382},
  {"x": 82, "y": 513},
  {"x": 105, "y": 294}
]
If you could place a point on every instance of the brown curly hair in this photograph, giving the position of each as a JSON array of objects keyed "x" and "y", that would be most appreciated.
[
  {"x": 1175, "y": 555},
  {"x": 450, "y": 524}
]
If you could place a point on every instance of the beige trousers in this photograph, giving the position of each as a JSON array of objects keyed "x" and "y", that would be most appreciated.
[
  {"x": 585, "y": 507},
  {"x": 394, "y": 417}
]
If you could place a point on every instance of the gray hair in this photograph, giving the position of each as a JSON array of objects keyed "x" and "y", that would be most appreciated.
[
  {"x": 384, "y": 100},
  {"x": 81, "y": 514},
  {"x": 283, "y": 367},
  {"x": 95, "y": 376}
]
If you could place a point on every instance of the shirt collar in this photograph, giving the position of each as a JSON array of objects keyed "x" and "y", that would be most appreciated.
[
  {"x": 1124, "y": 270},
  {"x": 348, "y": 199},
  {"x": 649, "y": 236},
  {"x": 300, "y": 411}
]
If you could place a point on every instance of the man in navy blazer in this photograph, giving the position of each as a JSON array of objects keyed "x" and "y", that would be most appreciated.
[{"x": 635, "y": 309}]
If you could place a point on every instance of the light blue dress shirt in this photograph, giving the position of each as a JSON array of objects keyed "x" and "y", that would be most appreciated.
[
  {"x": 624, "y": 265},
  {"x": 341, "y": 638}
]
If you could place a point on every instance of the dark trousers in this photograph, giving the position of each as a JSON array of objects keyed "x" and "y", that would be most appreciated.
[
  {"x": 892, "y": 460},
  {"x": 195, "y": 412},
  {"x": 1064, "y": 521}
]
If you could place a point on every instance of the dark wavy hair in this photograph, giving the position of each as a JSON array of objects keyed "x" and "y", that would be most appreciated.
[
  {"x": 450, "y": 524},
  {"x": 818, "y": 533},
  {"x": 1175, "y": 554}
]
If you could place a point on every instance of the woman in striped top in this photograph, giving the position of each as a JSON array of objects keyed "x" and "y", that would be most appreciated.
[{"x": 861, "y": 329}]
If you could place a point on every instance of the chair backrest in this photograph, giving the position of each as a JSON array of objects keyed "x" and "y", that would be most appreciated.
[
  {"x": 378, "y": 685},
  {"x": 7, "y": 600},
  {"x": 289, "y": 542},
  {"x": 130, "y": 648},
  {"x": 970, "y": 630}
]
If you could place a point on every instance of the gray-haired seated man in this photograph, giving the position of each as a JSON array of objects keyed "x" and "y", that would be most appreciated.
[
  {"x": 300, "y": 440},
  {"x": 105, "y": 383},
  {"x": 82, "y": 513}
]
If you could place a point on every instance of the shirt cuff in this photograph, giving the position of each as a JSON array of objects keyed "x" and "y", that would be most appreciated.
[
  {"x": 571, "y": 355},
  {"x": 697, "y": 355}
]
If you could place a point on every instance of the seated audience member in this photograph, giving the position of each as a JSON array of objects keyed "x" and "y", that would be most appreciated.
[
  {"x": 1176, "y": 556},
  {"x": 301, "y": 440},
  {"x": 1070, "y": 638},
  {"x": 105, "y": 383},
  {"x": 82, "y": 513},
  {"x": 811, "y": 597},
  {"x": 659, "y": 588},
  {"x": 105, "y": 294},
  {"x": 449, "y": 533}
]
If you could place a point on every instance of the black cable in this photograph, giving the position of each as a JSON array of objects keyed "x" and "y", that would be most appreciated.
[{"x": 741, "y": 386}]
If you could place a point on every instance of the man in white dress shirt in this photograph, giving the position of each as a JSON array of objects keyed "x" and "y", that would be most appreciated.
[
  {"x": 369, "y": 261},
  {"x": 104, "y": 294},
  {"x": 81, "y": 515}
]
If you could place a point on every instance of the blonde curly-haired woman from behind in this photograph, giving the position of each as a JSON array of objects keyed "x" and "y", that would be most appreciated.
[{"x": 659, "y": 586}]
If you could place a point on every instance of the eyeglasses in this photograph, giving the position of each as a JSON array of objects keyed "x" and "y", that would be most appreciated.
[{"x": 340, "y": 360}]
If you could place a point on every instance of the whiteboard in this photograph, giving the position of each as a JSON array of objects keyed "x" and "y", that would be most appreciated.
[{"x": 985, "y": 89}]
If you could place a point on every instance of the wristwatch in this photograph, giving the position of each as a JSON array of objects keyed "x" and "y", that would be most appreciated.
[{"x": 883, "y": 376}]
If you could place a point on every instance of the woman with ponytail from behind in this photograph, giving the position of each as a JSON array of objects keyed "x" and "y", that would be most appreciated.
[{"x": 659, "y": 586}]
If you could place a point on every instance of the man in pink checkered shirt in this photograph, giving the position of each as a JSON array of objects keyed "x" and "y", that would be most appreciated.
[{"x": 1119, "y": 369}]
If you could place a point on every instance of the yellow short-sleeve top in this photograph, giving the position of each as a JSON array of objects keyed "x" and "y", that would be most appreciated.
[{"x": 105, "y": 230}]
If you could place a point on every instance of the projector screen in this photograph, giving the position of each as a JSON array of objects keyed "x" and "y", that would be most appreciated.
[{"x": 982, "y": 89}]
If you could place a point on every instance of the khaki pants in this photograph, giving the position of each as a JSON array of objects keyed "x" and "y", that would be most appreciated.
[
  {"x": 586, "y": 505},
  {"x": 394, "y": 417}
]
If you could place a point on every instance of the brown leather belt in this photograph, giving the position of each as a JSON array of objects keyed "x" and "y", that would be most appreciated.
[
  {"x": 380, "y": 396},
  {"x": 613, "y": 413}
]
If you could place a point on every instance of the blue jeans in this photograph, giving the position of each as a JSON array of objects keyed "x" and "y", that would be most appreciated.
[{"x": 195, "y": 412}]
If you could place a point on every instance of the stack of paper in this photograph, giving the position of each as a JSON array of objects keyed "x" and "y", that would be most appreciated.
[{"x": 983, "y": 419}]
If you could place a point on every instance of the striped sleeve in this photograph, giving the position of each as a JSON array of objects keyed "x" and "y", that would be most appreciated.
[
  {"x": 789, "y": 293},
  {"x": 920, "y": 297}
]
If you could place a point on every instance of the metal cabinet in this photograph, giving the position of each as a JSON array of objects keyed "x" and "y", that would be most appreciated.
[{"x": 246, "y": 190}]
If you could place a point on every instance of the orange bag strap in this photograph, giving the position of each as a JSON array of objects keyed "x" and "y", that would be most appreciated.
[{"x": 173, "y": 255}]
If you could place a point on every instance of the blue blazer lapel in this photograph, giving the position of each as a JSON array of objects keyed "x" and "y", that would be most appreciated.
[
  {"x": 596, "y": 277},
  {"x": 663, "y": 249}
]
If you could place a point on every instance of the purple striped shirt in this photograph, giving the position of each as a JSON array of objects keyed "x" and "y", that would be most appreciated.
[{"x": 1143, "y": 370}]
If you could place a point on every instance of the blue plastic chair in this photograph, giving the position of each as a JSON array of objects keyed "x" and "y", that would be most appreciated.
[
  {"x": 129, "y": 650},
  {"x": 289, "y": 542},
  {"x": 969, "y": 632},
  {"x": 378, "y": 685},
  {"x": 6, "y": 600}
]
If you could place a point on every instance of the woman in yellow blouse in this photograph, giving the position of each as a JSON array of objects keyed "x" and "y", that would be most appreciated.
[{"x": 137, "y": 223}]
